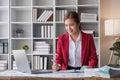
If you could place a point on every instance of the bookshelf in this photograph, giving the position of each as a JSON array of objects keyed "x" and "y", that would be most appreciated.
[
  {"x": 41, "y": 21},
  {"x": 4, "y": 34}
]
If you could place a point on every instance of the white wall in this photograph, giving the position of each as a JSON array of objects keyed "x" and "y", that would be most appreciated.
[{"x": 109, "y": 9}]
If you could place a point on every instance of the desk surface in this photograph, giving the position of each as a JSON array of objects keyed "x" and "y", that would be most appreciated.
[
  {"x": 41, "y": 78},
  {"x": 16, "y": 75}
]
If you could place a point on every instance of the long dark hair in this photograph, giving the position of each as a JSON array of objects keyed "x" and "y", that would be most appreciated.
[{"x": 73, "y": 15}]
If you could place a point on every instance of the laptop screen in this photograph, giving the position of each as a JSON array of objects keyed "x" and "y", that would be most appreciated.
[{"x": 21, "y": 61}]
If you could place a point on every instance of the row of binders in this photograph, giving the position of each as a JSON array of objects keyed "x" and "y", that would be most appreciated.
[
  {"x": 90, "y": 17},
  {"x": 46, "y": 31},
  {"x": 40, "y": 62},
  {"x": 60, "y": 14},
  {"x": 41, "y": 47},
  {"x": 46, "y": 15},
  {"x": 3, "y": 47}
]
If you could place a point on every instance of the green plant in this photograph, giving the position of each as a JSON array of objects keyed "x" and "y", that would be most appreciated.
[
  {"x": 25, "y": 47},
  {"x": 116, "y": 49}
]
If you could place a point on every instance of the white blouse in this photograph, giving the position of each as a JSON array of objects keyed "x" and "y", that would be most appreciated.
[{"x": 75, "y": 52}]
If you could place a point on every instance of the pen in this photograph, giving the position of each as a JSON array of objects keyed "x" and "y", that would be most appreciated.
[{"x": 53, "y": 61}]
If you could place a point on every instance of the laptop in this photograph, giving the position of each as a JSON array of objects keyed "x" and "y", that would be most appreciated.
[{"x": 23, "y": 65}]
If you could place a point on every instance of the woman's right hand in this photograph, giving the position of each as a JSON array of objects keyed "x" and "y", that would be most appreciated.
[{"x": 56, "y": 67}]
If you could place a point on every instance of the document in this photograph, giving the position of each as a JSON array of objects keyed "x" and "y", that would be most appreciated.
[{"x": 49, "y": 75}]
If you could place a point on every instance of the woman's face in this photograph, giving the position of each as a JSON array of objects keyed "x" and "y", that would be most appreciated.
[{"x": 71, "y": 26}]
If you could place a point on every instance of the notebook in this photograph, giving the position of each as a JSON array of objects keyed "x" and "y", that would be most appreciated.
[{"x": 23, "y": 65}]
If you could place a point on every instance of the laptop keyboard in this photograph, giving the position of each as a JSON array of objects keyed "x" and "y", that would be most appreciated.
[{"x": 41, "y": 71}]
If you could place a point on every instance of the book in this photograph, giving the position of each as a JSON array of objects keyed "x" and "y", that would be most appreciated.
[
  {"x": 41, "y": 62},
  {"x": 42, "y": 31},
  {"x": 45, "y": 63},
  {"x": 41, "y": 16},
  {"x": 42, "y": 47},
  {"x": 45, "y": 15},
  {"x": 5, "y": 47},
  {"x": 39, "y": 43},
  {"x": 49, "y": 16},
  {"x": 1, "y": 48},
  {"x": 88, "y": 15},
  {"x": 49, "y": 31}
]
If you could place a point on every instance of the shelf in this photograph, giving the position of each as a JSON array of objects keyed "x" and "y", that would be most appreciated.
[
  {"x": 25, "y": 27},
  {"x": 4, "y": 7},
  {"x": 18, "y": 43},
  {"x": 87, "y": 2},
  {"x": 89, "y": 6},
  {"x": 4, "y": 23},
  {"x": 66, "y": 6},
  {"x": 48, "y": 22},
  {"x": 44, "y": 7},
  {"x": 59, "y": 22},
  {"x": 28, "y": 54},
  {"x": 60, "y": 29},
  {"x": 21, "y": 15},
  {"x": 20, "y": 7},
  {"x": 87, "y": 10},
  {"x": 89, "y": 22},
  {"x": 4, "y": 2},
  {"x": 21, "y": 38},
  {"x": 43, "y": 30},
  {"x": 3, "y": 54},
  {"x": 4, "y": 15},
  {"x": 4, "y": 30},
  {"x": 20, "y": 22},
  {"x": 43, "y": 3},
  {"x": 21, "y": 2},
  {"x": 65, "y": 2},
  {"x": 43, "y": 54},
  {"x": 25, "y": 15},
  {"x": 3, "y": 38},
  {"x": 41, "y": 38}
]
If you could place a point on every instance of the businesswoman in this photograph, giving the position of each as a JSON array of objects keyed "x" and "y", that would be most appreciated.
[{"x": 74, "y": 48}]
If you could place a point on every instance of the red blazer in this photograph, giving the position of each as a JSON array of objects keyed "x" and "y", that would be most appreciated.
[{"x": 89, "y": 57}]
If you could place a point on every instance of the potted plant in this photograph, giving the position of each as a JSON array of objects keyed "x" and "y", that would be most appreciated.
[
  {"x": 116, "y": 49},
  {"x": 25, "y": 47},
  {"x": 19, "y": 32}
]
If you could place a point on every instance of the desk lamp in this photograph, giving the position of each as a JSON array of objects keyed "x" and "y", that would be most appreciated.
[{"x": 112, "y": 28}]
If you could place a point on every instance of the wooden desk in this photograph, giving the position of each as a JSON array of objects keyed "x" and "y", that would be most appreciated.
[
  {"x": 40, "y": 78},
  {"x": 5, "y": 76}
]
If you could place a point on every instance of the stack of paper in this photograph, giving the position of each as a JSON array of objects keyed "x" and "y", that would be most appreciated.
[
  {"x": 99, "y": 72},
  {"x": 41, "y": 47},
  {"x": 88, "y": 17},
  {"x": 3, "y": 64}
]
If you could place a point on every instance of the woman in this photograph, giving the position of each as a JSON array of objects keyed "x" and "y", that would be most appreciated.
[{"x": 74, "y": 48}]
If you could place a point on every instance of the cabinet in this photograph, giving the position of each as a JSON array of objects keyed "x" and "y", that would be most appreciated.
[{"x": 26, "y": 17}]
